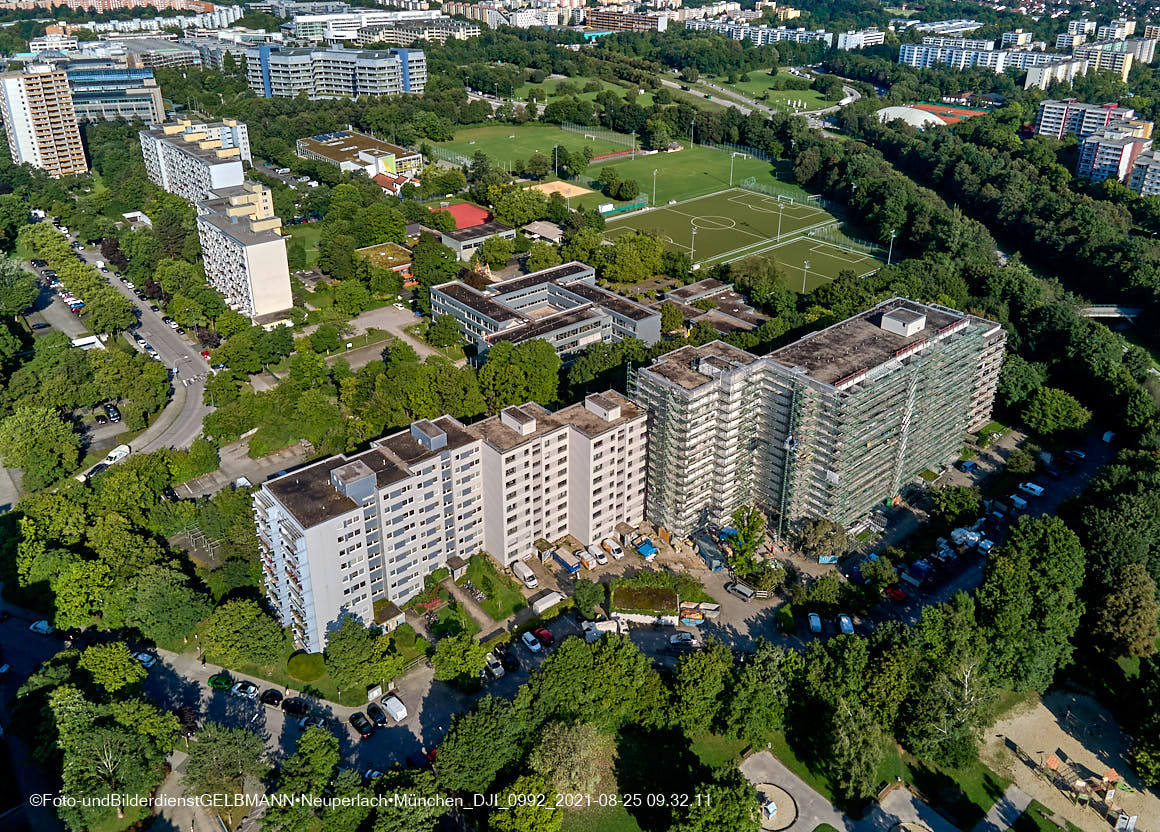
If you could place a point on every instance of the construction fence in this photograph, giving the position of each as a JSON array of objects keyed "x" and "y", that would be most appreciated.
[
  {"x": 449, "y": 156},
  {"x": 729, "y": 147},
  {"x": 835, "y": 236}
]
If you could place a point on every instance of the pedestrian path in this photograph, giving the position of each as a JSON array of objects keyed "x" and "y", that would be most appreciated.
[{"x": 1005, "y": 812}]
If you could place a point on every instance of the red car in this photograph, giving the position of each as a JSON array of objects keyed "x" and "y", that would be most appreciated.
[
  {"x": 205, "y": 354},
  {"x": 895, "y": 594},
  {"x": 545, "y": 638}
]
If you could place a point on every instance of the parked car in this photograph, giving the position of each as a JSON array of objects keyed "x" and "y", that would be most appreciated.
[
  {"x": 507, "y": 657},
  {"x": 154, "y": 307},
  {"x": 42, "y": 627},
  {"x": 612, "y": 547},
  {"x": 371, "y": 774},
  {"x": 360, "y": 723},
  {"x": 683, "y": 642},
  {"x": 1031, "y": 488},
  {"x": 544, "y": 636},
  {"x": 41, "y": 325},
  {"x": 530, "y": 642},
  {"x": 494, "y": 667},
  {"x": 815, "y": 622},
  {"x": 598, "y": 554},
  {"x": 271, "y": 697},
  {"x": 895, "y": 594},
  {"x": 221, "y": 681},
  {"x": 742, "y": 591},
  {"x": 395, "y": 707},
  {"x": 377, "y": 715},
  {"x": 311, "y": 722},
  {"x": 147, "y": 661},
  {"x": 102, "y": 419},
  {"x": 244, "y": 690},
  {"x": 112, "y": 412},
  {"x": 967, "y": 466},
  {"x": 294, "y": 707},
  {"x": 205, "y": 354},
  {"x": 845, "y": 625}
]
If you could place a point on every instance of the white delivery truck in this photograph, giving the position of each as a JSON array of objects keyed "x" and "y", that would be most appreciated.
[{"x": 522, "y": 571}]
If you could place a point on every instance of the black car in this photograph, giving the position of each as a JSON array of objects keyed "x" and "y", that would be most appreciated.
[
  {"x": 112, "y": 412},
  {"x": 272, "y": 697},
  {"x": 361, "y": 724},
  {"x": 295, "y": 707},
  {"x": 96, "y": 469},
  {"x": 378, "y": 717},
  {"x": 102, "y": 419},
  {"x": 507, "y": 658},
  {"x": 155, "y": 307},
  {"x": 41, "y": 325}
]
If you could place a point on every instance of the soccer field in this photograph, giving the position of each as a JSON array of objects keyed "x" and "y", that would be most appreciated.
[
  {"x": 826, "y": 262},
  {"x": 724, "y": 226},
  {"x": 505, "y": 143}
]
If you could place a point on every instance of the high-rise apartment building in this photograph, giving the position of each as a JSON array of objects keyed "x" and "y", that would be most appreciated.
[
  {"x": 1109, "y": 154},
  {"x": 1145, "y": 176},
  {"x": 610, "y": 21},
  {"x": 1057, "y": 118},
  {"x": 860, "y": 39},
  {"x": 828, "y": 426},
  {"x": 40, "y": 121},
  {"x": 347, "y": 534},
  {"x": 192, "y": 159},
  {"x": 343, "y": 533},
  {"x": 335, "y": 73},
  {"x": 244, "y": 251}
]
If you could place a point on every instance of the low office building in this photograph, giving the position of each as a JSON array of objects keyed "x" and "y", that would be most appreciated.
[
  {"x": 158, "y": 52},
  {"x": 275, "y": 72},
  {"x": 561, "y": 305},
  {"x": 351, "y": 150},
  {"x": 40, "y": 121},
  {"x": 102, "y": 93},
  {"x": 244, "y": 251},
  {"x": 405, "y": 34},
  {"x": 577, "y": 471},
  {"x": 828, "y": 426},
  {"x": 192, "y": 159},
  {"x": 466, "y": 241},
  {"x": 347, "y": 533}
]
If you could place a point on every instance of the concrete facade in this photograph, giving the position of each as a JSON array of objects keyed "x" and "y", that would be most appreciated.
[
  {"x": 273, "y": 72},
  {"x": 40, "y": 121},
  {"x": 192, "y": 159}
]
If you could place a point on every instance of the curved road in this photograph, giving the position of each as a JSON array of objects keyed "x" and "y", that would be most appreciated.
[{"x": 179, "y": 423}]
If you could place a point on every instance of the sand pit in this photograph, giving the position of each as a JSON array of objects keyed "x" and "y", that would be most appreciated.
[
  {"x": 564, "y": 189},
  {"x": 768, "y": 793}
]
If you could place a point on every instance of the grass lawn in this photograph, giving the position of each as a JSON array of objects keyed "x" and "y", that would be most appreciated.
[
  {"x": 453, "y": 620},
  {"x": 550, "y": 89},
  {"x": 645, "y": 598},
  {"x": 503, "y": 596},
  {"x": 759, "y": 83},
  {"x": 309, "y": 232},
  {"x": 1036, "y": 819},
  {"x": 717, "y": 750},
  {"x": 688, "y": 173},
  {"x": 967, "y": 794},
  {"x": 508, "y": 142}
]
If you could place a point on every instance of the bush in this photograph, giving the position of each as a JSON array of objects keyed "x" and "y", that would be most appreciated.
[
  {"x": 785, "y": 620},
  {"x": 405, "y": 635},
  {"x": 306, "y": 667}
]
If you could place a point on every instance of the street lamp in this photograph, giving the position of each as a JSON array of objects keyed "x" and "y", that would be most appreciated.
[
  {"x": 780, "y": 209},
  {"x": 556, "y": 159},
  {"x": 805, "y": 274},
  {"x": 654, "y": 199},
  {"x": 693, "y": 247},
  {"x": 692, "y": 127},
  {"x": 732, "y": 156},
  {"x": 890, "y": 254},
  {"x": 634, "y": 144}
]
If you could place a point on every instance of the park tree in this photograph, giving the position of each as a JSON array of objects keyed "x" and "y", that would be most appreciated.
[
  {"x": 444, "y": 332},
  {"x": 223, "y": 760},
  {"x": 701, "y": 678},
  {"x": 1053, "y": 411},
  {"x": 241, "y": 632},
  {"x": 587, "y": 594},
  {"x": 1019, "y": 379},
  {"x": 17, "y": 287},
  {"x": 481, "y": 743},
  {"x": 854, "y": 750},
  {"x": 672, "y": 318},
  {"x": 423, "y": 816},
  {"x": 520, "y": 206},
  {"x": 1020, "y": 461},
  {"x": 111, "y": 666},
  {"x": 538, "y": 166},
  {"x": 728, "y": 801},
  {"x": 36, "y": 440},
  {"x": 351, "y": 297},
  {"x": 1124, "y": 618},
  {"x": 749, "y": 528},
  {"x": 572, "y": 758},
  {"x": 358, "y": 657},
  {"x": 496, "y": 251},
  {"x": 759, "y": 693},
  {"x": 431, "y": 263},
  {"x": 821, "y": 537},
  {"x": 533, "y": 807},
  {"x": 515, "y": 374},
  {"x": 542, "y": 256},
  {"x": 458, "y": 657},
  {"x": 164, "y": 605},
  {"x": 309, "y": 770},
  {"x": 1028, "y": 601},
  {"x": 955, "y": 504},
  {"x": 632, "y": 258}
]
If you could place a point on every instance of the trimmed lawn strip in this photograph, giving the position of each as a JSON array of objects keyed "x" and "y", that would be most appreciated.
[{"x": 503, "y": 596}]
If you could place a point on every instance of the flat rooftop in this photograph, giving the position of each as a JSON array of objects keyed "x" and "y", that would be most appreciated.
[
  {"x": 859, "y": 343},
  {"x": 387, "y": 255},
  {"x": 478, "y": 301},
  {"x": 345, "y": 146},
  {"x": 550, "y": 323},
  {"x": 559, "y": 274},
  {"x": 486, "y": 229},
  {"x": 240, "y": 229},
  {"x": 493, "y": 431},
  {"x": 695, "y": 290},
  {"x": 310, "y": 496},
  {"x": 611, "y": 301},
  {"x": 588, "y": 423},
  {"x": 680, "y": 366}
]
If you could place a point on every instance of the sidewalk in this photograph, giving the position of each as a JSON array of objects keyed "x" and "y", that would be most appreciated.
[{"x": 1005, "y": 812}]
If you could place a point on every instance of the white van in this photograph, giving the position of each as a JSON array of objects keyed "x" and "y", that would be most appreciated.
[
  {"x": 1031, "y": 488},
  {"x": 745, "y": 593},
  {"x": 395, "y": 707},
  {"x": 525, "y": 574},
  {"x": 1017, "y": 502}
]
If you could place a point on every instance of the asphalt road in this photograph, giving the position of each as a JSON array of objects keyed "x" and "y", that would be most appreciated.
[{"x": 180, "y": 422}]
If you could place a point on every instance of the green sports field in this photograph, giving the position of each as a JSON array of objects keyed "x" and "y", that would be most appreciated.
[
  {"x": 505, "y": 143},
  {"x": 736, "y": 223}
]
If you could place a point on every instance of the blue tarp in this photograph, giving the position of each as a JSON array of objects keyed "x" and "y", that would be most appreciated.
[{"x": 647, "y": 549}]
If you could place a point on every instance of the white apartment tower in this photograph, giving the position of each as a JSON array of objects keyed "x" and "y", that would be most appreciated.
[
  {"x": 192, "y": 159},
  {"x": 244, "y": 251},
  {"x": 40, "y": 121},
  {"x": 347, "y": 534}
]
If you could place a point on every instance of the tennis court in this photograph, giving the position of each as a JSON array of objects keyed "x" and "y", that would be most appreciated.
[{"x": 724, "y": 226}]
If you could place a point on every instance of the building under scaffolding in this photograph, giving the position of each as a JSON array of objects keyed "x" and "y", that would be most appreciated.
[{"x": 829, "y": 426}]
